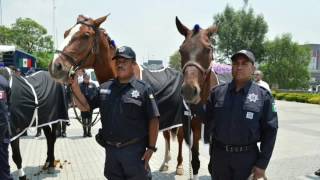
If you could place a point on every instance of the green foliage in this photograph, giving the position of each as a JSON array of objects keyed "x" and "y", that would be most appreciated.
[
  {"x": 286, "y": 63},
  {"x": 5, "y": 35},
  {"x": 27, "y": 35},
  {"x": 175, "y": 61},
  {"x": 31, "y": 36},
  {"x": 298, "y": 97},
  {"x": 240, "y": 29},
  {"x": 43, "y": 59},
  {"x": 314, "y": 100}
]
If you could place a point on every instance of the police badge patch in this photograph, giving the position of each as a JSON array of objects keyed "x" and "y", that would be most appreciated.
[
  {"x": 253, "y": 97},
  {"x": 135, "y": 94}
]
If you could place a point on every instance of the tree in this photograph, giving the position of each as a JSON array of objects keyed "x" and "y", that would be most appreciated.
[
  {"x": 31, "y": 37},
  {"x": 175, "y": 61},
  {"x": 286, "y": 63},
  {"x": 43, "y": 59},
  {"x": 238, "y": 30}
]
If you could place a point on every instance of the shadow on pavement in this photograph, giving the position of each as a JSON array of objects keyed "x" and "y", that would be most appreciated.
[
  {"x": 157, "y": 175},
  {"x": 36, "y": 172}
]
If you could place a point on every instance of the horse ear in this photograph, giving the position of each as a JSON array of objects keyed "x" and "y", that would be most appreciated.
[
  {"x": 99, "y": 21},
  {"x": 181, "y": 28},
  {"x": 212, "y": 29},
  {"x": 80, "y": 18}
]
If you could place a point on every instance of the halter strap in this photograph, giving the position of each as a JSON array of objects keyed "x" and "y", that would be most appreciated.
[{"x": 76, "y": 64}]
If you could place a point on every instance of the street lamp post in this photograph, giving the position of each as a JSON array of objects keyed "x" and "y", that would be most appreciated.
[{"x": 0, "y": 12}]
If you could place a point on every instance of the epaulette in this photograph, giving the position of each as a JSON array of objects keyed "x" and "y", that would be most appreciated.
[{"x": 107, "y": 84}]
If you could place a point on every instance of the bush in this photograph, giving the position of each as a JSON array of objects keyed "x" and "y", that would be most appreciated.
[
  {"x": 298, "y": 97},
  {"x": 280, "y": 95},
  {"x": 290, "y": 97},
  {"x": 314, "y": 100}
]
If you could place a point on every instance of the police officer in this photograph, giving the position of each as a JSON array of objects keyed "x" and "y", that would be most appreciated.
[
  {"x": 4, "y": 130},
  {"x": 89, "y": 90},
  {"x": 130, "y": 121},
  {"x": 240, "y": 114}
]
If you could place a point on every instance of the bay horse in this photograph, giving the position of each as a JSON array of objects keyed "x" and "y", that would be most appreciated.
[{"x": 196, "y": 63}]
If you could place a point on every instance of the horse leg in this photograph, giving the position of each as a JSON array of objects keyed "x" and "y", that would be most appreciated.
[
  {"x": 167, "y": 156},
  {"x": 16, "y": 156},
  {"x": 179, "y": 169},
  {"x": 49, "y": 164},
  {"x": 54, "y": 139},
  {"x": 195, "y": 162}
]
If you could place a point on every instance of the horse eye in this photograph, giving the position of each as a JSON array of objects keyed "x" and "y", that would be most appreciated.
[{"x": 87, "y": 34}]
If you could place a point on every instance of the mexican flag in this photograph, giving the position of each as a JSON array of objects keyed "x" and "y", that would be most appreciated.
[{"x": 25, "y": 62}]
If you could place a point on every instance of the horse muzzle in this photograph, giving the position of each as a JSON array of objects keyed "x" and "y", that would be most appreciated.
[{"x": 190, "y": 93}]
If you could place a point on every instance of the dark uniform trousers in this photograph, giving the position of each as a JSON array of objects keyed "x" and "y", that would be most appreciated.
[
  {"x": 89, "y": 91},
  {"x": 125, "y": 163},
  {"x": 126, "y": 110},
  {"x": 239, "y": 163},
  {"x": 4, "y": 162},
  {"x": 86, "y": 120},
  {"x": 235, "y": 123},
  {"x": 4, "y": 131}
]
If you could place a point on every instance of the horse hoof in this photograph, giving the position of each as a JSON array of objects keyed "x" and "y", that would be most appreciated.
[
  {"x": 51, "y": 170},
  {"x": 164, "y": 167},
  {"x": 180, "y": 170},
  {"x": 23, "y": 177},
  {"x": 45, "y": 166}
]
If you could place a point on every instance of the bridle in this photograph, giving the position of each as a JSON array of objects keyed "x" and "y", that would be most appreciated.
[
  {"x": 76, "y": 63},
  {"x": 206, "y": 73}
]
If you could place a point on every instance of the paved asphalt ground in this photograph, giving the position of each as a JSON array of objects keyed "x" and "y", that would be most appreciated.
[{"x": 296, "y": 155}]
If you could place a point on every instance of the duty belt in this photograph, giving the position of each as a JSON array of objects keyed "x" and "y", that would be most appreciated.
[
  {"x": 123, "y": 144},
  {"x": 234, "y": 148}
]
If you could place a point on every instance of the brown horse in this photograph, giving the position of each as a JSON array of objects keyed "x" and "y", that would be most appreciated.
[{"x": 196, "y": 62}]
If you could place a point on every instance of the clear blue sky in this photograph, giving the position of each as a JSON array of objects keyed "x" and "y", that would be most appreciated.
[{"x": 149, "y": 27}]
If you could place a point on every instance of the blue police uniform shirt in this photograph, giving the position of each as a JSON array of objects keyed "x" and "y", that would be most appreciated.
[
  {"x": 242, "y": 118},
  {"x": 89, "y": 90},
  {"x": 126, "y": 109},
  {"x": 4, "y": 119}
]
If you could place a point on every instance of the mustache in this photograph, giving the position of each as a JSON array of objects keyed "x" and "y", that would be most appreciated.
[{"x": 121, "y": 68}]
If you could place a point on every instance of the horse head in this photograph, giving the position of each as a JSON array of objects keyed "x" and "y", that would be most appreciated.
[
  {"x": 85, "y": 45},
  {"x": 196, "y": 57}
]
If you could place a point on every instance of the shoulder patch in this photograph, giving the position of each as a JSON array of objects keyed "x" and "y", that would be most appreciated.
[{"x": 274, "y": 108}]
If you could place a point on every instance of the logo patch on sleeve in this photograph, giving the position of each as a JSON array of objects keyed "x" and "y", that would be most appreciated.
[
  {"x": 274, "y": 108},
  {"x": 2, "y": 95}
]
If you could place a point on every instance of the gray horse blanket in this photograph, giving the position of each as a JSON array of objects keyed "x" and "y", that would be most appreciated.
[{"x": 36, "y": 100}]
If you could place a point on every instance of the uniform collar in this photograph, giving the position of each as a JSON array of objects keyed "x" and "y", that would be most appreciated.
[
  {"x": 132, "y": 82},
  {"x": 245, "y": 89}
]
